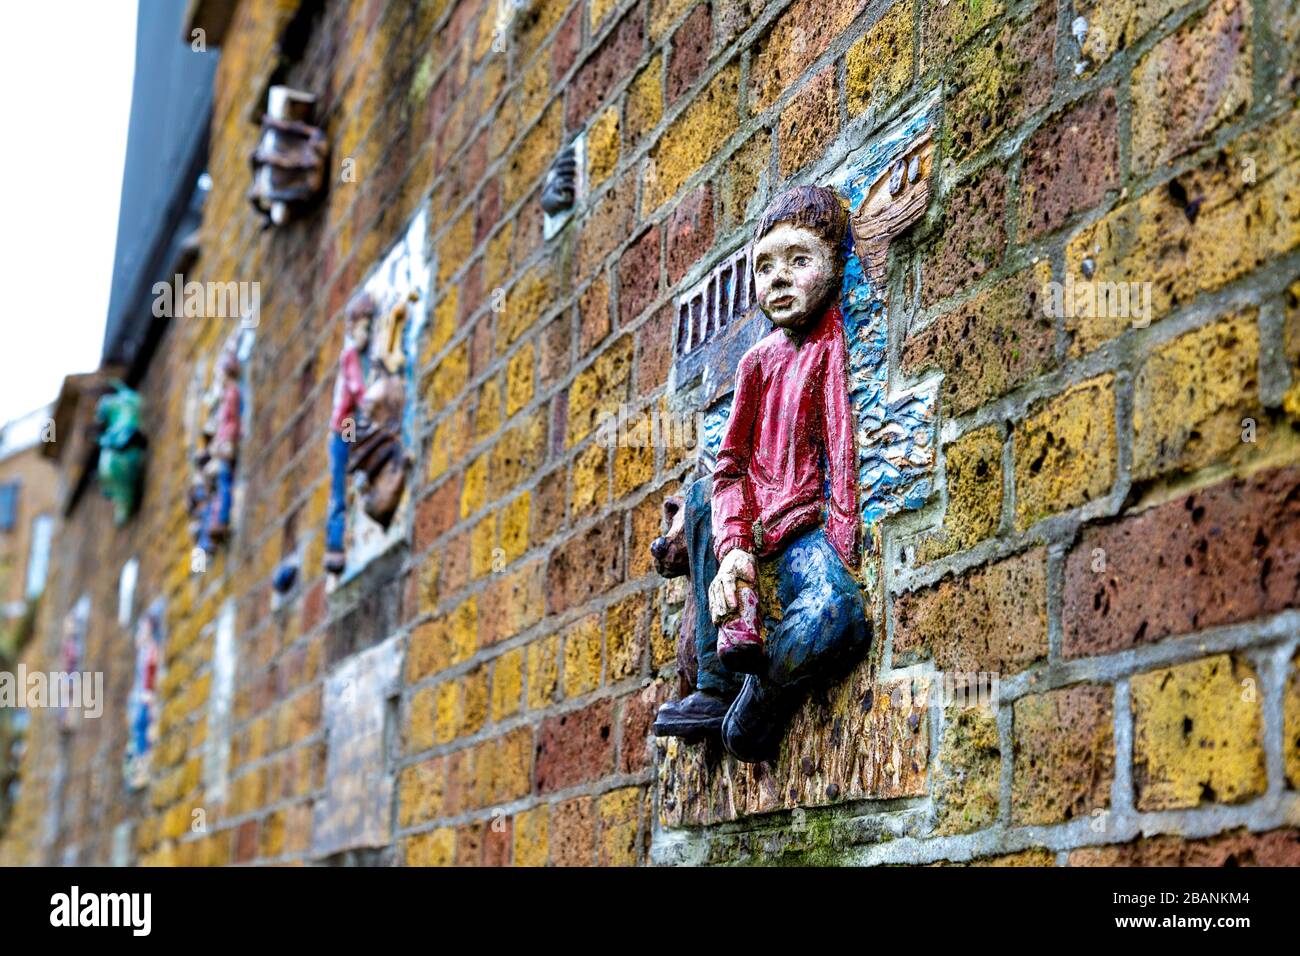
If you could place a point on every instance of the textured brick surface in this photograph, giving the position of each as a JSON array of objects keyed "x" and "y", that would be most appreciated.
[
  {"x": 1236, "y": 848},
  {"x": 1001, "y": 81},
  {"x": 999, "y": 339},
  {"x": 973, "y": 464},
  {"x": 1191, "y": 397},
  {"x": 575, "y": 747},
  {"x": 879, "y": 65},
  {"x": 1172, "y": 236},
  {"x": 967, "y": 771},
  {"x": 1191, "y": 83},
  {"x": 1065, "y": 451},
  {"x": 1064, "y": 754},
  {"x": 973, "y": 237},
  {"x": 1197, "y": 735},
  {"x": 1070, "y": 164},
  {"x": 690, "y": 51},
  {"x": 1221, "y": 555},
  {"x": 991, "y": 619},
  {"x": 809, "y": 122}
]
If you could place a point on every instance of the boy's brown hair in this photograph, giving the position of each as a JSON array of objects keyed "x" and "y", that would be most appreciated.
[{"x": 815, "y": 208}]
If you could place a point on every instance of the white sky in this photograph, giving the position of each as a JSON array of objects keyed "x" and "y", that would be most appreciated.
[{"x": 65, "y": 101}]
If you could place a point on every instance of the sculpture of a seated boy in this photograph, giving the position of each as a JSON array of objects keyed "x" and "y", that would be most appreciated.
[{"x": 781, "y": 505}]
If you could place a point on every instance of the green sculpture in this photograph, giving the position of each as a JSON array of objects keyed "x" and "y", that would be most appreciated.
[{"x": 121, "y": 450}]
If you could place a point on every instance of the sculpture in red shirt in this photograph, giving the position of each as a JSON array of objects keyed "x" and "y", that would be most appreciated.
[{"x": 782, "y": 506}]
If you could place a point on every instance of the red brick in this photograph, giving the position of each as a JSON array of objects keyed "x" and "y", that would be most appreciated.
[
  {"x": 435, "y": 514},
  {"x": 568, "y": 41},
  {"x": 654, "y": 351},
  {"x": 1070, "y": 164},
  {"x": 554, "y": 362},
  {"x": 690, "y": 231},
  {"x": 690, "y": 54},
  {"x": 613, "y": 60},
  {"x": 573, "y": 833},
  {"x": 638, "y": 276},
  {"x": 974, "y": 235},
  {"x": 1223, "y": 555},
  {"x": 576, "y": 747},
  {"x": 584, "y": 566},
  {"x": 809, "y": 122},
  {"x": 1237, "y": 848},
  {"x": 638, "y": 710}
]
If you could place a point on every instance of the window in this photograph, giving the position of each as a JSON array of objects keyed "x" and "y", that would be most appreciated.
[
  {"x": 8, "y": 505},
  {"x": 38, "y": 557}
]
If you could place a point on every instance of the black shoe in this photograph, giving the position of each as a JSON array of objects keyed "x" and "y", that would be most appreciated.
[
  {"x": 756, "y": 721},
  {"x": 691, "y": 717}
]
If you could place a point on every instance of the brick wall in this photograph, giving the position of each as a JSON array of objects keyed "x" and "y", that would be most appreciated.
[{"x": 1097, "y": 533}]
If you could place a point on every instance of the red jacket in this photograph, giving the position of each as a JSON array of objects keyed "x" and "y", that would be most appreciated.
[
  {"x": 791, "y": 408},
  {"x": 349, "y": 387}
]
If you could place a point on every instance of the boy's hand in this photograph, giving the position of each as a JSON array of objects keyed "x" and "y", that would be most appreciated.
[{"x": 736, "y": 566}]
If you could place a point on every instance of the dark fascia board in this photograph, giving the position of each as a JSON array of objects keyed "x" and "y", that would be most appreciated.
[{"x": 213, "y": 17}]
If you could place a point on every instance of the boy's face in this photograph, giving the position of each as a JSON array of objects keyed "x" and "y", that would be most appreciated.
[
  {"x": 795, "y": 273},
  {"x": 359, "y": 330}
]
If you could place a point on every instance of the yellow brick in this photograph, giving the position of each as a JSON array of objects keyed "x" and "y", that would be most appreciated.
[
  {"x": 483, "y": 546},
  {"x": 1065, "y": 451},
  {"x": 1197, "y": 735},
  {"x": 420, "y": 792},
  {"x": 435, "y": 848},
  {"x": 446, "y": 708},
  {"x": 1191, "y": 396},
  {"x": 590, "y": 479},
  {"x": 702, "y": 128},
  {"x": 663, "y": 13},
  {"x": 496, "y": 260},
  {"x": 530, "y": 836},
  {"x": 463, "y": 630},
  {"x": 473, "y": 701},
  {"x": 419, "y": 722},
  {"x": 602, "y": 146},
  {"x": 514, "y": 531},
  {"x": 599, "y": 389},
  {"x": 620, "y": 814},
  {"x": 473, "y": 493},
  {"x": 625, "y": 637},
  {"x": 597, "y": 11},
  {"x": 518, "y": 454},
  {"x": 582, "y": 656},
  {"x": 536, "y": 88},
  {"x": 487, "y": 416},
  {"x": 444, "y": 322},
  {"x": 879, "y": 65},
  {"x": 1237, "y": 226},
  {"x": 633, "y": 467},
  {"x": 525, "y": 303},
  {"x": 507, "y": 683},
  {"x": 519, "y": 380},
  {"x": 533, "y": 155},
  {"x": 448, "y": 379},
  {"x": 543, "y": 670},
  {"x": 455, "y": 247},
  {"x": 974, "y": 473},
  {"x": 645, "y": 101}
]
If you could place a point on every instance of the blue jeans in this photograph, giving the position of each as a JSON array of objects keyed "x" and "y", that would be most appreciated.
[
  {"x": 337, "y": 522},
  {"x": 822, "y": 624}
]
